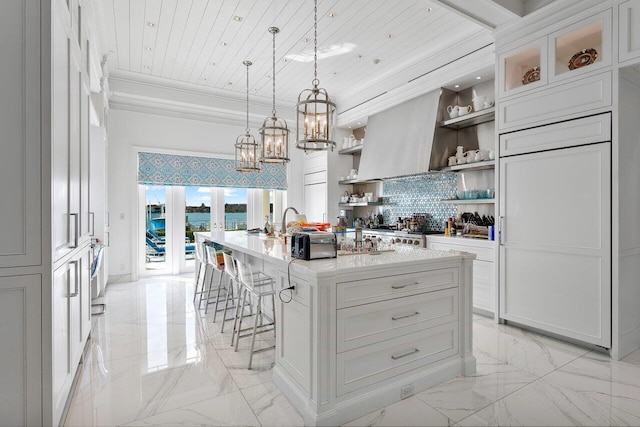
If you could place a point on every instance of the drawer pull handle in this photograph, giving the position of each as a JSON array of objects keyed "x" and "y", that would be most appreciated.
[
  {"x": 415, "y": 313},
  {"x": 403, "y": 286},
  {"x": 405, "y": 354}
]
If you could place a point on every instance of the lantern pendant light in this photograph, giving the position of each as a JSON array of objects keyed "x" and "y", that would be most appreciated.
[
  {"x": 314, "y": 110},
  {"x": 246, "y": 147},
  {"x": 274, "y": 133}
]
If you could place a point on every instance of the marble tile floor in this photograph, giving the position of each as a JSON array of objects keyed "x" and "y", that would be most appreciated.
[{"x": 154, "y": 359}]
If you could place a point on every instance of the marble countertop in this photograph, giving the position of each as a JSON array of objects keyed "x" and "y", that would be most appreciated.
[{"x": 276, "y": 251}]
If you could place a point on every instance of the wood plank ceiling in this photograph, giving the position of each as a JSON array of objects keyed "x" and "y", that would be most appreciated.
[{"x": 204, "y": 42}]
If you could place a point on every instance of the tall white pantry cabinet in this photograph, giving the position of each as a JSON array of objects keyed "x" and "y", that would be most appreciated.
[
  {"x": 49, "y": 67},
  {"x": 568, "y": 141}
]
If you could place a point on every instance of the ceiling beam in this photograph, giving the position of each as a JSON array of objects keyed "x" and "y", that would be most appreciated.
[{"x": 486, "y": 13}]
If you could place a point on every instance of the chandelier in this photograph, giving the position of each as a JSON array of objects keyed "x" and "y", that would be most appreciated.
[
  {"x": 246, "y": 147},
  {"x": 314, "y": 110},
  {"x": 274, "y": 133}
]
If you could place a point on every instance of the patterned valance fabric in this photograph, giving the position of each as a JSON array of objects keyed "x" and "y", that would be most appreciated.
[{"x": 171, "y": 169}]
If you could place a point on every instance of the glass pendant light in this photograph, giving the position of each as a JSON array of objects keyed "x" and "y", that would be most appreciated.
[
  {"x": 314, "y": 110},
  {"x": 274, "y": 133},
  {"x": 247, "y": 149}
]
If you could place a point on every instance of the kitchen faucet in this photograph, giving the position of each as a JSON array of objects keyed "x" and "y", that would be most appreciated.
[{"x": 284, "y": 217}]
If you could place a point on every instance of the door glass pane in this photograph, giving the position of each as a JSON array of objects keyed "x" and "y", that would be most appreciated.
[
  {"x": 156, "y": 222},
  {"x": 197, "y": 218},
  {"x": 235, "y": 208}
]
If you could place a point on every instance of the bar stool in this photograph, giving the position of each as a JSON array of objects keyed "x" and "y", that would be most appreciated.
[
  {"x": 216, "y": 266},
  {"x": 258, "y": 285},
  {"x": 231, "y": 273},
  {"x": 201, "y": 271}
]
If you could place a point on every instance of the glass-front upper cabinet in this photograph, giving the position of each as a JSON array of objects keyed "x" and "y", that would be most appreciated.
[
  {"x": 575, "y": 49},
  {"x": 580, "y": 48},
  {"x": 523, "y": 68}
]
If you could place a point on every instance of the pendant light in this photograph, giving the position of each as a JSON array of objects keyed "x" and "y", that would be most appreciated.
[
  {"x": 274, "y": 133},
  {"x": 314, "y": 110},
  {"x": 246, "y": 147}
]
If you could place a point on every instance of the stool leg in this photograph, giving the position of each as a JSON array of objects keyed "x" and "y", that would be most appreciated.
[
  {"x": 244, "y": 292},
  {"x": 226, "y": 304},
  {"x": 242, "y": 296},
  {"x": 204, "y": 284},
  {"x": 206, "y": 306},
  {"x": 255, "y": 327},
  {"x": 236, "y": 313},
  {"x": 273, "y": 305},
  {"x": 220, "y": 283},
  {"x": 195, "y": 291}
]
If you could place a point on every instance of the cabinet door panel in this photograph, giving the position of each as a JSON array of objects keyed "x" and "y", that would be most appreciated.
[
  {"x": 20, "y": 352},
  {"x": 315, "y": 202},
  {"x": 60, "y": 141},
  {"x": 629, "y": 36},
  {"x": 86, "y": 218},
  {"x": 555, "y": 243},
  {"x": 61, "y": 339},
  {"x": 20, "y": 162}
]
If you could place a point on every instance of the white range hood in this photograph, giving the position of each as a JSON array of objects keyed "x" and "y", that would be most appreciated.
[{"x": 406, "y": 140}]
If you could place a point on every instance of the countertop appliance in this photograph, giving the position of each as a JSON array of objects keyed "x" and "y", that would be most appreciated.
[
  {"x": 313, "y": 245},
  {"x": 403, "y": 238}
]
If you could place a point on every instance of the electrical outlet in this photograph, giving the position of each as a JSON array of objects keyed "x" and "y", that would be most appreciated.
[{"x": 406, "y": 391}]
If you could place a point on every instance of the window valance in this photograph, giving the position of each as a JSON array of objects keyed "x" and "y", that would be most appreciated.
[{"x": 172, "y": 169}]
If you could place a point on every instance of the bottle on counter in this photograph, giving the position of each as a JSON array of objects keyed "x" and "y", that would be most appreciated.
[{"x": 358, "y": 237}]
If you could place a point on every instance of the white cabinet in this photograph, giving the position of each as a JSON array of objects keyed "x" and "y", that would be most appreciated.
[
  {"x": 70, "y": 167},
  {"x": 629, "y": 31},
  {"x": 484, "y": 283},
  {"x": 71, "y": 318},
  {"x": 20, "y": 162},
  {"x": 555, "y": 241},
  {"x": 578, "y": 48},
  {"x": 20, "y": 352},
  {"x": 315, "y": 196},
  {"x": 44, "y": 258}
]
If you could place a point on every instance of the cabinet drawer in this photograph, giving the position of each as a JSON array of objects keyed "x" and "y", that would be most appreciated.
[
  {"x": 367, "y": 365},
  {"x": 482, "y": 254},
  {"x": 358, "y": 292},
  {"x": 556, "y": 102},
  {"x": 483, "y": 271},
  {"x": 566, "y": 134},
  {"x": 372, "y": 323}
]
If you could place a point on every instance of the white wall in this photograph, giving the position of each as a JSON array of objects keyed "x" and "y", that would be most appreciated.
[{"x": 130, "y": 131}]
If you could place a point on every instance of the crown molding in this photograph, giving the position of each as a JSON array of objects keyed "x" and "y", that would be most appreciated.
[{"x": 149, "y": 94}]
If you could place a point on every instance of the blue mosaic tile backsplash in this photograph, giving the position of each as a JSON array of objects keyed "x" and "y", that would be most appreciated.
[{"x": 420, "y": 194}]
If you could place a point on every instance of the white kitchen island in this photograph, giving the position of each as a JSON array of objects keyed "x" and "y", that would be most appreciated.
[{"x": 363, "y": 331}]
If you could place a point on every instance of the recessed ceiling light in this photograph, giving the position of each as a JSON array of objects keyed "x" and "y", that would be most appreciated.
[
  {"x": 359, "y": 57},
  {"x": 306, "y": 39},
  {"x": 478, "y": 78},
  {"x": 359, "y": 123},
  {"x": 268, "y": 76},
  {"x": 376, "y": 61},
  {"x": 212, "y": 63},
  {"x": 148, "y": 49},
  {"x": 237, "y": 18},
  {"x": 429, "y": 9},
  {"x": 223, "y": 43},
  {"x": 204, "y": 78},
  {"x": 389, "y": 35},
  {"x": 335, "y": 73},
  {"x": 456, "y": 86},
  {"x": 285, "y": 60},
  {"x": 332, "y": 14},
  {"x": 151, "y": 24},
  {"x": 349, "y": 127}
]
